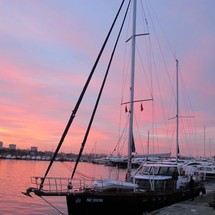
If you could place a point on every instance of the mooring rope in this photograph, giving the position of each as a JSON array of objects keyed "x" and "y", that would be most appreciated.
[{"x": 52, "y": 205}]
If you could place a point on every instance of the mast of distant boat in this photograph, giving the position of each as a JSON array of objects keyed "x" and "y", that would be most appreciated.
[
  {"x": 177, "y": 112},
  {"x": 204, "y": 141},
  {"x": 148, "y": 144},
  {"x": 130, "y": 141}
]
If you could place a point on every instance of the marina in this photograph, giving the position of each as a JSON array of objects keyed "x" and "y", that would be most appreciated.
[
  {"x": 96, "y": 113},
  {"x": 152, "y": 185}
]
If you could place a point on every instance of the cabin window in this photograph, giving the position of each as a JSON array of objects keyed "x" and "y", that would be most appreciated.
[
  {"x": 163, "y": 170},
  {"x": 144, "y": 184},
  {"x": 159, "y": 185},
  {"x": 193, "y": 164},
  {"x": 206, "y": 168},
  {"x": 154, "y": 170},
  {"x": 145, "y": 169},
  {"x": 156, "y": 185},
  {"x": 171, "y": 170}
]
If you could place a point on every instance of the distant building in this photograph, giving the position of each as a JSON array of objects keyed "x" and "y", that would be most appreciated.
[
  {"x": 1, "y": 145},
  {"x": 33, "y": 149},
  {"x": 12, "y": 146}
]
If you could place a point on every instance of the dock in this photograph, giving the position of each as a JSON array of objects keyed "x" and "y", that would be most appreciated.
[{"x": 201, "y": 205}]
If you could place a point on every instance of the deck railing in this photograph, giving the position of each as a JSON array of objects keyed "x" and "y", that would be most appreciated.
[{"x": 60, "y": 184}]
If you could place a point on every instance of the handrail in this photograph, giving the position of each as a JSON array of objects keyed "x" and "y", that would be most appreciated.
[{"x": 60, "y": 184}]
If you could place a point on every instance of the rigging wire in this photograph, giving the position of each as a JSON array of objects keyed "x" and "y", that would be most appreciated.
[
  {"x": 187, "y": 102},
  {"x": 174, "y": 56},
  {"x": 51, "y": 205},
  {"x": 149, "y": 57},
  {"x": 162, "y": 54},
  {"x": 164, "y": 35},
  {"x": 139, "y": 135},
  {"x": 124, "y": 81},
  {"x": 101, "y": 90},
  {"x": 125, "y": 73},
  {"x": 80, "y": 99},
  {"x": 120, "y": 137},
  {"x": 122, "y": 110},
  {"x": 150, "y": 65},
  {"x": 81, "y": 174}
]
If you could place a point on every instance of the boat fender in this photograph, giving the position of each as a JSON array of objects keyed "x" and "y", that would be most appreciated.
[
  {"x": 69, "y": 186},
  {"x": 203, "y": 190},
  {"x": 126, "y": 177}
]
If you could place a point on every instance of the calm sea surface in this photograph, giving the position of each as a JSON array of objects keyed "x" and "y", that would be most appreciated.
[{"x": 15, "y": 178}]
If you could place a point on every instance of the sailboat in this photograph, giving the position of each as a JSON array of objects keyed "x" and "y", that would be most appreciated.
[{"x": 149, "y": 188}]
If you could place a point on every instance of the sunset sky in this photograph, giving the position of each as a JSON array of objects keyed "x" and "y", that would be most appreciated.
[{"x": 48, "y": 48}]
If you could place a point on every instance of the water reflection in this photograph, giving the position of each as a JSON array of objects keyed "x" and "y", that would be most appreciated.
[{"x": 15, "y": 178}]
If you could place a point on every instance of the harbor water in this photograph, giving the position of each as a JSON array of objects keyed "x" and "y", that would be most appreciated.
[{"x": 15, "y": 178}]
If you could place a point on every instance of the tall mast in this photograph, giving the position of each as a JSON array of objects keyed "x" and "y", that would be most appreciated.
[
  {"x": 204, "y": 141},
  {"x": 177, "y": 112},
  {"x": 130, "y": 141}
]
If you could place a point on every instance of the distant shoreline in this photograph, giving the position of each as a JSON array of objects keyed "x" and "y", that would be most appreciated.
[{"x": 19, "y": 154}]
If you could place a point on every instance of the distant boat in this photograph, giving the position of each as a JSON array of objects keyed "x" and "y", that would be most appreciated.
[
  {"x": 206, "y": 171},
  {"x": 148, "y": 188},
  {"x": 102, "y": 160}
]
